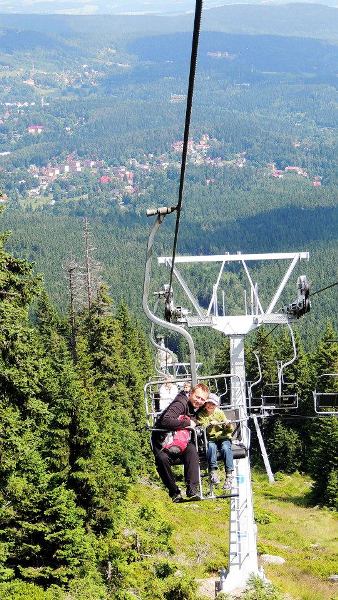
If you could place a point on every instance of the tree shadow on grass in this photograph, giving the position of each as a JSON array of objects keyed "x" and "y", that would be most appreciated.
[{"x": 304, "y": 500}]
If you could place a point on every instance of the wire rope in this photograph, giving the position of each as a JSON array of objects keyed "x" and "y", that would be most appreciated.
[
  {"x": 324, "y": 288},
  {"x": 193, "y": 62},
  {"x": 311, "y": 295},
  {"x": 264, "y": 338}
]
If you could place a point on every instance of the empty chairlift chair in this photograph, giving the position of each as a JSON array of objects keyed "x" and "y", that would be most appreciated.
[
  {"x": 325, "y": 395},
  {"x": 281, "y": 396}
]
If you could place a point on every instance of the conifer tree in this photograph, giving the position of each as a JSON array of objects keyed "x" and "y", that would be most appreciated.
[
  {"x": 34, "y": 546},
  {"x": 137, "y": 367},
  {"x": 109, "y": 448},
  {"x": 322, "y": 459}
]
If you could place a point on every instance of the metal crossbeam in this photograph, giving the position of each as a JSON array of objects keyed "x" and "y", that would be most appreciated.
[{"x": 235, "y": 257}]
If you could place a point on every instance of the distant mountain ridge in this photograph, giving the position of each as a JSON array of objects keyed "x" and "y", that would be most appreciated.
[
  {"x": 158, "y": 7},
  {"x": 302, "y": 20}
]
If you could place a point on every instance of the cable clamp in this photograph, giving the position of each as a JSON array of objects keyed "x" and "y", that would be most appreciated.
[{"x": 162, "y": 210}]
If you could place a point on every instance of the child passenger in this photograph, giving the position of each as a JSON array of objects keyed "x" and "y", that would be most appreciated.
[{"x": 219, "y": 432}]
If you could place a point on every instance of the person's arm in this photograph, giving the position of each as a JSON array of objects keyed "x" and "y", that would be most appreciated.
[
  {"x": 228, "y": 426},
  {"x": 170, "y": 418},
  {"x": 203, "y": 420}
]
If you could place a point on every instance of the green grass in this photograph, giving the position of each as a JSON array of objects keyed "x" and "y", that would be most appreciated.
[
  {"x": 307, "y": 537},
  {"x": 288, "y": 526}
]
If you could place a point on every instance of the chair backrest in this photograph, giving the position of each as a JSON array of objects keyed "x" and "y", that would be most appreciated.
[
  {"x": 232, "y": 414},
  {"x": 326, "y": 394},
  {"x": 218, "y": 384}
]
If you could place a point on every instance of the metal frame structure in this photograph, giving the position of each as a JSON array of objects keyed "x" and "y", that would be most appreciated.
[
  {"x": 243, "y": 560},
  {"x": 236, "y": 324}
]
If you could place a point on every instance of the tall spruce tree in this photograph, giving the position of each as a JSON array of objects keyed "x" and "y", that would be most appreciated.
[
  {"x": 41, "y": 530},
  {"x": 137, "y": 369},
  {"x": 323, "y": 434},
  {"x": 109, "y": 446}
]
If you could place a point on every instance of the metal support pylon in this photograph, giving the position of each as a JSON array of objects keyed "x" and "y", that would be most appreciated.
[
  {"x": 242, "y": 531},
  {"x": 243, "y": 560}
]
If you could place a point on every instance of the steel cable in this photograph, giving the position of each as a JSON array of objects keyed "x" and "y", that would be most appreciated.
[{"x": 193, "y": 62}]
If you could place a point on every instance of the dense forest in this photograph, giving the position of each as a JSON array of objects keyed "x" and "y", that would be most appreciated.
[{"x": 73, "y": 441}]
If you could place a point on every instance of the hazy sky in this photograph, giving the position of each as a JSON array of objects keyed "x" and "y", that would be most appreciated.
[
  {"x": 92, "y": 7},
  {"x": 102, "y": 6}
]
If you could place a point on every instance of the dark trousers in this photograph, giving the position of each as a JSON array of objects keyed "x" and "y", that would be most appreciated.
[{"x": 164, "y": 462}]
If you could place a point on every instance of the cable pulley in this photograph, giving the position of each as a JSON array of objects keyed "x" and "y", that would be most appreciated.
[
  {"x": 172, "y": 313},
  {"x": 302, "y": 304}
]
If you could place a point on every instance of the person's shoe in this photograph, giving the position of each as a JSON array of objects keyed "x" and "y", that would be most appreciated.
[
  {"x": 214, "y": 479},
  {"x": 228, "y": 481},
  {"x": 193, "y": 495},
  {"x": 177, "y": 498}
]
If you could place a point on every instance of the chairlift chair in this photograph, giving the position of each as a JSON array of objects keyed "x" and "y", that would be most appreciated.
[
  {"x": 281, "y": 396},
  {"x": 219, "y": 384},
  {"x": 254, "y": 402},
  {"x": 325, "y": 395}
]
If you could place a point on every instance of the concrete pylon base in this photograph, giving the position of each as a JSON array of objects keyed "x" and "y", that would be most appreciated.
[{"x": 237, "y": 580}]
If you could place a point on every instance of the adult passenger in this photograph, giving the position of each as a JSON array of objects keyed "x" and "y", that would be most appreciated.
[{"x": 180, "y": 414}]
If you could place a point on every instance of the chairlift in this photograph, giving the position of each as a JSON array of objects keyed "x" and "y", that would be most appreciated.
[
  {"x": 325, "y": 395},
  {"x": 281, "y": 396},
  {"x": 219, "y": 384}
]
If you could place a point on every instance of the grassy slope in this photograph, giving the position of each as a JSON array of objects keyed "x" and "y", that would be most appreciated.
[
  {"x": 287, "y": 527},
  {"x": 305, "y": 536}
]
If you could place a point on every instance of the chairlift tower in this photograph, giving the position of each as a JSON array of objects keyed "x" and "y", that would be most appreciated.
[{"x": 243, "y": 561}]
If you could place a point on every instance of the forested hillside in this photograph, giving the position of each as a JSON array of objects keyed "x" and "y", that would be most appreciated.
[
  {"x": 75, "y": 451},
  {"x": 91, "y": 126}
]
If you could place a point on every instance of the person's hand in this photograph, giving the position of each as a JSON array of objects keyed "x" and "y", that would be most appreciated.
[
  {"x": 192, "y": 424},
  {"x": 230, "y": 426}
]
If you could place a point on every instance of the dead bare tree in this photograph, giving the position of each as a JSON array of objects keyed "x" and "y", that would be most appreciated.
[
  {"x": 84, "y": 282},
  {"x": 92, "y": 267},
  {"x": 75, "y": 287}
]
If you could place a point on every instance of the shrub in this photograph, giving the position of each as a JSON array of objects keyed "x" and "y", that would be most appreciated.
[
  {"x": 261, "y": 590},
  {"x": 20, "y": 590},
  {"x": 180, "y": 588}
]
